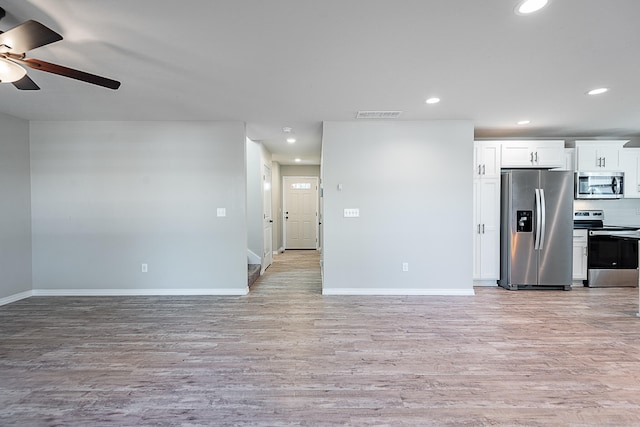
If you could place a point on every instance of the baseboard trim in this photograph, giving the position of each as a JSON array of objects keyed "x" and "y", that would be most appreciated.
[
  {"x": 137, "y": 292},
  {"x": 490, "y": 283},
  {"x": 409, "y": 292},
  {"x": 15, "y": 297}
]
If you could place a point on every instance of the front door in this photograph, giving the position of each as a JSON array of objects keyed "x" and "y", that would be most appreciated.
[
  {"x": 267, "y": 256},
  {"x": 301, "y": 212}
]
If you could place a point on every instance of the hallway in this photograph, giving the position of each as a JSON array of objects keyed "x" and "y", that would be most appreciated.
[{"x": 293, "y": 271}]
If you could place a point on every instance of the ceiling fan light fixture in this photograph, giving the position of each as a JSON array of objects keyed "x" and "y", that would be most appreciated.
[
  {"x": 291, "y": 140},
  {"x": 527, "y": 7},
  {"x": 10, "y": 71}
]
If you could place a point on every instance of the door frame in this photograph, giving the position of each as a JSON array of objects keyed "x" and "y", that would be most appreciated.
[
  {"x": 267, "y": 217},
  {"x": 284, "y": 205}
]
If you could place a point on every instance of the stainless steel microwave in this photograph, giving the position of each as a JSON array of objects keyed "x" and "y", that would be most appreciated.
[{"x": 599, "y": 185}]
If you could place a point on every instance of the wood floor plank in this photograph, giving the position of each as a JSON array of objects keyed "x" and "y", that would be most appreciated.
[{"x": 285, "y": 355}]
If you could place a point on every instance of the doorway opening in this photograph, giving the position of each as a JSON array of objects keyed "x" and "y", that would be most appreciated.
[{"x": 300, "y": 224}]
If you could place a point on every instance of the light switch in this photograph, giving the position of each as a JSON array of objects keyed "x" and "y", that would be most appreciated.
[
  {"x": 351, "y": 213},
  {"x": 222, "y": 212}
]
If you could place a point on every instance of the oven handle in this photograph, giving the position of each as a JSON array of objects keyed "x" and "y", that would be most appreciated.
[
  {"x": 632, "y": 233},
  {"x": 543, "y": 222},
  {"x": 536, "y": 242}
]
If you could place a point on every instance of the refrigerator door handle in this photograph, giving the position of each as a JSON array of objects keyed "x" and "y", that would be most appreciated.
[
  {"x": 536, "y": 242},
  {"x": 543, "y": 222}
]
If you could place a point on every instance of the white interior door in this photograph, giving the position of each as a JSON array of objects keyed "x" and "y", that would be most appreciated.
[
  {"x": 301, "y": 212},
  {"x": 267, "y": 255}
]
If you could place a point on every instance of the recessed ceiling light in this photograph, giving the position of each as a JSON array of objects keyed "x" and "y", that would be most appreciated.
[
  {"x": 524, "y": 122},
  {"x": 526, "y": 7},
  {"x": 298, "y": 160},
  {"x": 291, "y": 140},
  {"x": 598, "y": 91},
  {"x": 433, "y": 100}
]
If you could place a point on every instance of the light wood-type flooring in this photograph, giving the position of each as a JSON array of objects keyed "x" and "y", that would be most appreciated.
[{"x": 287, "y": 356}]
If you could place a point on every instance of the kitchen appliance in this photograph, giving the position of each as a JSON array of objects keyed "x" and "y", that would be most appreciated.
[
  {"x": 599, "y": 185},
  {"x": 536, "y": 232},
  {"x": 611, "y": 261}
]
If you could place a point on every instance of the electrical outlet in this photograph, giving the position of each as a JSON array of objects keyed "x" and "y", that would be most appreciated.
[
  {"x": 352, "y": 213},
  {"x": 144, "y": 268},
  {"x": 405, "y": 266}
]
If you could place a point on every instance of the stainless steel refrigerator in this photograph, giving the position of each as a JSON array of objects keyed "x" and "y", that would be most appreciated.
[{"x": 536, "y": 229}]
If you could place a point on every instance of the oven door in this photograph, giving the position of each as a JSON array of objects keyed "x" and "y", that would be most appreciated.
[{"x": 611, "y": 261}]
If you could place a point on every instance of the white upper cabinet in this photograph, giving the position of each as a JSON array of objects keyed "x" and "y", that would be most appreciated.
[
  {"x": 599, "y": 155},
  {"x": 569, "y": 160},
  {"x": 533, "y": 154},
  {"x": 630, "y": 165},
  {"x": 486, "y": 157}
]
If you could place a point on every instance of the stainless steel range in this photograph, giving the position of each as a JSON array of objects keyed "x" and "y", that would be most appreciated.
[{"x": 610, "y": 261}]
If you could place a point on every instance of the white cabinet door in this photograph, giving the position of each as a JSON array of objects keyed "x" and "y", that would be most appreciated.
[
  {"x": 487, "y": 159},
  {"x": 569, "y": 160},
  {"x": 532, "y": 154},
  {"x": 516, "y": 154},
  {"x": 549, "y": 154},
  {"x": 487, "y": 229},
  {"x": 579, "y": 255},
  {"x": 598, "y": 155},
  {"x": 630, "y": 165}
]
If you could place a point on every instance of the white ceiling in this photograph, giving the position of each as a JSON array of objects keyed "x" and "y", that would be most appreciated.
[{"x": 296, "y": 63}]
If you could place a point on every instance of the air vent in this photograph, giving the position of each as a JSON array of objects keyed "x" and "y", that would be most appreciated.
[{"x": 378, "y": 114}]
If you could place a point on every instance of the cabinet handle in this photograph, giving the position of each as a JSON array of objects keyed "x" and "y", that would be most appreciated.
[
  {"x": 482, "y": 228},
  {"x": 479, "y": 170},
  {"x": 531, "y": 157},
  {"x": 484, "y": 169},
  {"x": 599, "y": 162},
  {"x": 604, "y": 162},
  {"x": 478, "y": 228},
  {"x": 536, "y": 157}
]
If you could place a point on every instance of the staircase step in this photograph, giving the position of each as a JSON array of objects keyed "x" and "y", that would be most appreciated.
[{"x": 253, "y": 273}]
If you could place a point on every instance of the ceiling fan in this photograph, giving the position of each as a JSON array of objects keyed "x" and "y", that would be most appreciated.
[{"x": 25, "y": 37}]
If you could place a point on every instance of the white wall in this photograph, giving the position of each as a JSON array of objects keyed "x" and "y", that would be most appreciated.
[
  {"x": 109, "y": 196},
  {"x": 15, "y": 210},
  {"x": 257, "y": 157},
  {"x": 255, "y": 236},
  {"x": 412, "y": 182},
  {"x": 276, "y": 206},
  {"x": 616, "y": 212},
  {"x": 301, "y": 170}
]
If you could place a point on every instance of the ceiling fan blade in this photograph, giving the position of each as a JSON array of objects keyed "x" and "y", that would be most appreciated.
[
  {"x": 37, "y": 64},
  {"x": 26, "y": 36},
  {"x": 26, "y": 83}
]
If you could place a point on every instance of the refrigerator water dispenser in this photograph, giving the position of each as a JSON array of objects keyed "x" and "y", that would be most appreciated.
[{"x": 524, "y": 221}]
